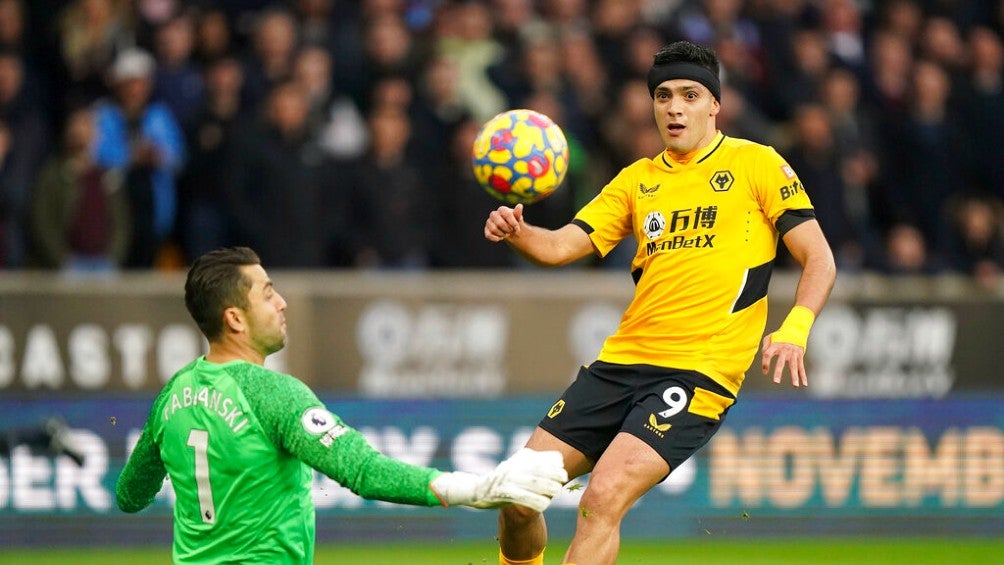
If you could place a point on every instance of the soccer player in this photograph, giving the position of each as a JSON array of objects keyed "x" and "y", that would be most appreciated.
[
  {"x": 238, "y": 440},
  {"x": 706, "y": 213}
]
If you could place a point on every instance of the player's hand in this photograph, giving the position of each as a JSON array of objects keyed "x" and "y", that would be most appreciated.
[
  {"x": 528, "y": 478},
  {"x": 503, "y": 222},
  {"x": 783, "y": 355}
]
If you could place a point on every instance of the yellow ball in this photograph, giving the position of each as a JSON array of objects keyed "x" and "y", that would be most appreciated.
[{"x": 520, "y": 156}]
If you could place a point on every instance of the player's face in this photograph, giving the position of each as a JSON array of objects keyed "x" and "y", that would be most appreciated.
[
  {"x": 266, "y": 313},
  {"x": 685, "y": 112}
]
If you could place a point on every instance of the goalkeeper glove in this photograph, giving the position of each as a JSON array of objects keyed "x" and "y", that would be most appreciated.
[{"x": 528, "y": 478}]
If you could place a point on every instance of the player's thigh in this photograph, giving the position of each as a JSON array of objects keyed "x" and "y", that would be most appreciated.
[
  {"x": 678, "y": 414},
  {"x": 576, "y": 463},
  {"x": 591, "y": 411},
  {"x": 628, "y": 469}
]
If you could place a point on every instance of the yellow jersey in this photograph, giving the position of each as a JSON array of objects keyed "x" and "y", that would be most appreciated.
[{"x": 707, "y": 233}]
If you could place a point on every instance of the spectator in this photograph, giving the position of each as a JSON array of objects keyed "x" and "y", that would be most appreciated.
[
  {"x": 270, "y": 61},
  {"x": 887, "y": 82},
  {"x": 213, "y": 38},
  {"x": 388, "y": 50},
  {"x": 586, "y": 74},
  {"x": 12, "y": 25},
  {"x": 26, "y": 143},
  {"x": 904, "y": 18},
  {"x": 941, "y": 42},
  {"x": 976, "y": 246},
  {"x": 512, "y": 18},
  {"x": 923, "y": 152},
  {"x": 616, "y": 27},
  {"x": 13, "y": 39},
  {"x": 514, "y": 21},
  {"x": 465, "y": 38},
  {"x": 178, "y": 80},
  {"x": 334, "y": 118},
  {"x": 708, "y": 21},
  {"x": 981, "y": 101},
  {"x": 280, "y": 186},
  {"x": 908, "y": 253},
  {"x": 91, "y": 33},
  {"x": 803, "y": 82},
  {"x": 853, "y": 126},
  {"x": 393, "y": 216},
  {"x": 814, "y": 154},
  {"x": 438, "y": 109},
  {"x": 777, "y": 22},
  {"x": 843, "y": 26},
  {"x": 141, "y": 138},
  {"x": 566, "y": 14},
  {"x": 148, "y": 16},
  {"x": 855, "y": 135},
  {"x": 316, "y": 20},
  {"x": 80, "y": 214},
  {"x": 742, "y": 64},
  {"x": 203, "y": 216}
]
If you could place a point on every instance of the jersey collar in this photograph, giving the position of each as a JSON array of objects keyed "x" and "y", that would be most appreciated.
[{"x": 664, "y": 161}]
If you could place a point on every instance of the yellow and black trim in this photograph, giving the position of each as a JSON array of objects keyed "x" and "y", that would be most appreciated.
[
  {"x": 754, "y": 286},
  {"x": 791, "y": 218},
  {"x": 585, "y": 227}
]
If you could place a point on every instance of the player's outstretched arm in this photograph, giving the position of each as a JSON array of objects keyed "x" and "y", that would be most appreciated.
[
  {"x": 528, "y": 478},
  {"x": 539, "y": 245}
]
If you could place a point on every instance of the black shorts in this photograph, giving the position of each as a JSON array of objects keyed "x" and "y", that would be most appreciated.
[{"x": 673, "y": 410}]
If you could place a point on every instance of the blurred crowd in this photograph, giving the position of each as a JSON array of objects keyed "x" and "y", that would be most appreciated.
[{"x": 137, "y": 134}]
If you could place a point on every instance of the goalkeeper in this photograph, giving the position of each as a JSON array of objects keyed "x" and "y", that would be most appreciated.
[{"x": 238, "y": 441}]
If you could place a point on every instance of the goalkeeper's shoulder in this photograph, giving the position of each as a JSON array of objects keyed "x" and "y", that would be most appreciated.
[{"x": 267, "y": 388}]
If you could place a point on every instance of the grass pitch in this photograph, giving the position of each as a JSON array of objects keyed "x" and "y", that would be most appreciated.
[{"x": 927, "y": 551}]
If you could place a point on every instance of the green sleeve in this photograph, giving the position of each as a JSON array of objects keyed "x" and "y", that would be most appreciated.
[
  {"x": 144, "y": 472},
  {"x": 340, "y": 452}
]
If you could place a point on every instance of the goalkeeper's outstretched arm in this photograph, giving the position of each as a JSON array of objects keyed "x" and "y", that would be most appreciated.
[{"x": 528, "y": 478}]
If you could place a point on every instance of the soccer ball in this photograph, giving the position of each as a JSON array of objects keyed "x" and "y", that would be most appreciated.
[{"x": 520, "y": 156}]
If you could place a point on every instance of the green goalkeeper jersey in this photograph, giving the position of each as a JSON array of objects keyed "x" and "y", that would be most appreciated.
[{"x": 238, "y": 442}]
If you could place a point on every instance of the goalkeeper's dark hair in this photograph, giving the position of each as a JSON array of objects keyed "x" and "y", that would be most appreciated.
[{"x": 214, "y": 283}]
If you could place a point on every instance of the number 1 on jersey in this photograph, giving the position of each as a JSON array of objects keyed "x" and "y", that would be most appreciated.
[{"x": 199, "y": 440}]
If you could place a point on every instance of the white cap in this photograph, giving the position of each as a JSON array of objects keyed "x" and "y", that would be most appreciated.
[{"x": 133, "y": 63}]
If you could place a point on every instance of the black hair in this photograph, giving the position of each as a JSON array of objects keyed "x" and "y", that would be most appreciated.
[
  {"x": 687, "y": 52},
  {"x": 214, "y": 283},
  {"x": 685, "y": 60}
]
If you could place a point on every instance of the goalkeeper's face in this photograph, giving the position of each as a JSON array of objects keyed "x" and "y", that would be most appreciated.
[{"x": 266, "y": 313}]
